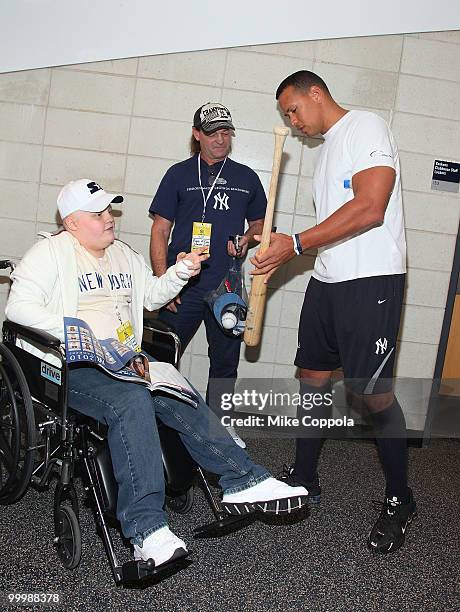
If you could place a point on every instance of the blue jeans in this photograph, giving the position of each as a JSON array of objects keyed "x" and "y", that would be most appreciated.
[
  {"x": 223, "y": 350},
  {"x": 130, "y": 410}
]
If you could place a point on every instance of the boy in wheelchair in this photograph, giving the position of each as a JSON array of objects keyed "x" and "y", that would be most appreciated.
[{"x": 84, "y": 272}]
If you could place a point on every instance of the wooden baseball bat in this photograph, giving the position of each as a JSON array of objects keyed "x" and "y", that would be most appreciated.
[{"x": 258, "y": 294}]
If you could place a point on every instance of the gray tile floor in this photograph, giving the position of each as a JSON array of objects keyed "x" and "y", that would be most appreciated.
[{"x": 318, "y": 564}]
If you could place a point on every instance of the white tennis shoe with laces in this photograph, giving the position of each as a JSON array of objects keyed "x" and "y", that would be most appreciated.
[
  {"x": 270, "y": 495},
  {"x": 162, "y": 546}
]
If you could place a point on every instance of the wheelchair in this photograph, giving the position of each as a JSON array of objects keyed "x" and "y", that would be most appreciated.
[{"x": 42, "y": 439}]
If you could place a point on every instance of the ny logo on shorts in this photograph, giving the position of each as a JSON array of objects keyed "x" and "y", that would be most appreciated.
[{"x": 381, "y": 346}]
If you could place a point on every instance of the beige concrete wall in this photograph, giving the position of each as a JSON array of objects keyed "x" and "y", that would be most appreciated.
[{"x": 124, "y": 122}]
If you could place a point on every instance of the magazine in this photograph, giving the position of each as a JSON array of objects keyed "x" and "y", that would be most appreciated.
[{"x": 121, "y": 362}]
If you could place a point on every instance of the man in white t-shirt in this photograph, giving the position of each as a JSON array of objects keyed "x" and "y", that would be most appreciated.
[
  {"x": 85, "y": 272},
  {"x": 351, "y": 312}
]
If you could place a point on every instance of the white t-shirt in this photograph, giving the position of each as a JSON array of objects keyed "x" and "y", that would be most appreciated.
[
  {"x": 105, "y": 290},
  {"x": 359, "y": 140}
]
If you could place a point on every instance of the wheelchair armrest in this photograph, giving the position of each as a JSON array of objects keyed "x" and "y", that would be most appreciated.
[
  {"x": 164, "y": 343},
  {"x": 31, "y": 333},
  {"x": 157, "y": 325}
]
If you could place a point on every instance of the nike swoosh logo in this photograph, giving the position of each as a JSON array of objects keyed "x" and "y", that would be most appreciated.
[
  {"x": 381, "y": 301},
  {"x": 380, "y": 154},
  {"x": 371, "y": 384}
]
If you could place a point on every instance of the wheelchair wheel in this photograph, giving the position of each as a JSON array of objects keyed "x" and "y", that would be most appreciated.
[
  {"x": 181, "y": 504},
  {"x": 17, "y": 429},
  {"x": 67, "y": 536},
  {"x": 66, "y": 495}
]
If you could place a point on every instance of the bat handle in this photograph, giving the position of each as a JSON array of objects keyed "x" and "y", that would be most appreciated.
[{"x": 280, "y": 136}]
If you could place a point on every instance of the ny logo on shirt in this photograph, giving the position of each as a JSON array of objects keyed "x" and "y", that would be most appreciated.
[{"x": 221, "y": 200}]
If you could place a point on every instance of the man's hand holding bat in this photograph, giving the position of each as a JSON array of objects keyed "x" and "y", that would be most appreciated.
[{"x": 280, "y": 251}]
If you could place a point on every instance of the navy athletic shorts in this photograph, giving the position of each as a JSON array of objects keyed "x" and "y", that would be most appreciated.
[{"x": 354, "y": 325}]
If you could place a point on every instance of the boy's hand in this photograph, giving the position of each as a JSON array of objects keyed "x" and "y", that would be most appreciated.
[{"x": 189, "y": 264}]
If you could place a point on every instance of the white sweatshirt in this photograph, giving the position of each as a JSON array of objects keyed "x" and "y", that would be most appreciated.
[{"x": 45, "y": 286}]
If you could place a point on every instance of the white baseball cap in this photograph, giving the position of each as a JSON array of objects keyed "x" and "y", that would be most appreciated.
[{"x": 86, "y": 195}]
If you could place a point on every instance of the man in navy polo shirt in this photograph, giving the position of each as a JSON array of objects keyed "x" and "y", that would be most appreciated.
[{"x": 207, "y": 198}]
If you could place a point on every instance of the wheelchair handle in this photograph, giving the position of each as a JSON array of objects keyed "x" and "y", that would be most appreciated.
[
  {"x": 7, "y": 263},
  {"x": 30, "y": 333}
]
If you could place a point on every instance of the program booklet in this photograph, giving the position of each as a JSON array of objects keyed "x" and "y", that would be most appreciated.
[{"x": 118, "y": 360}]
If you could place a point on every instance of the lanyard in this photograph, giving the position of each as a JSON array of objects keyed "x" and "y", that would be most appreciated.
[
  {"x": 117, "y": 310},
  {"x": 105, "y": 276},
  {"x": 206, "y": 198}
]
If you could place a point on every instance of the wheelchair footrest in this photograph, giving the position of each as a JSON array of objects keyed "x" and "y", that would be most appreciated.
[
  {"x": 224, "y": 525},
  {"x": 132, "y": 571}
]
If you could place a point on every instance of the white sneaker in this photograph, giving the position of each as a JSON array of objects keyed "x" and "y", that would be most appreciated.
[
  {"x": 161, "y": 546},
  {"x": 236, "y": 438},
  {"x": 270, "y": 495}
]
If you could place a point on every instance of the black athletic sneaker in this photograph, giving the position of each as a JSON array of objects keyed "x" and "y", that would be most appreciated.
[
  {"x": 389, "y": 532},
  {"x": 289, "y": 476}
]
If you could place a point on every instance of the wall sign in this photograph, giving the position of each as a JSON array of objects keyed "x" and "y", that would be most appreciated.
[{"x": 445, "y": 176}]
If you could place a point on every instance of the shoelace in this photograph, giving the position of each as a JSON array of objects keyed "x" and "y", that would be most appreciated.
[
  {"x": 386, "y": 505},
  {"x": 286, "y": 472}
]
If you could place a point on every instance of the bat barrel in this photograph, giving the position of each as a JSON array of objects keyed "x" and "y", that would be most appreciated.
[
  {"x": 258, "y": 295},
  {"x": 254, "y": 317}
]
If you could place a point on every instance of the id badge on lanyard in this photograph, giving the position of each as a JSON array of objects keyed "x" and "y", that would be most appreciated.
[
  {"x": 125, "y": 334},
  {"x": 201, "y": 231},
  {"x": 201, "y": 236}
]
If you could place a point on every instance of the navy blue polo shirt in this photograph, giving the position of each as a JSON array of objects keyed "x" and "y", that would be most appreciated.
[{"x": 237, "y": 195}]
